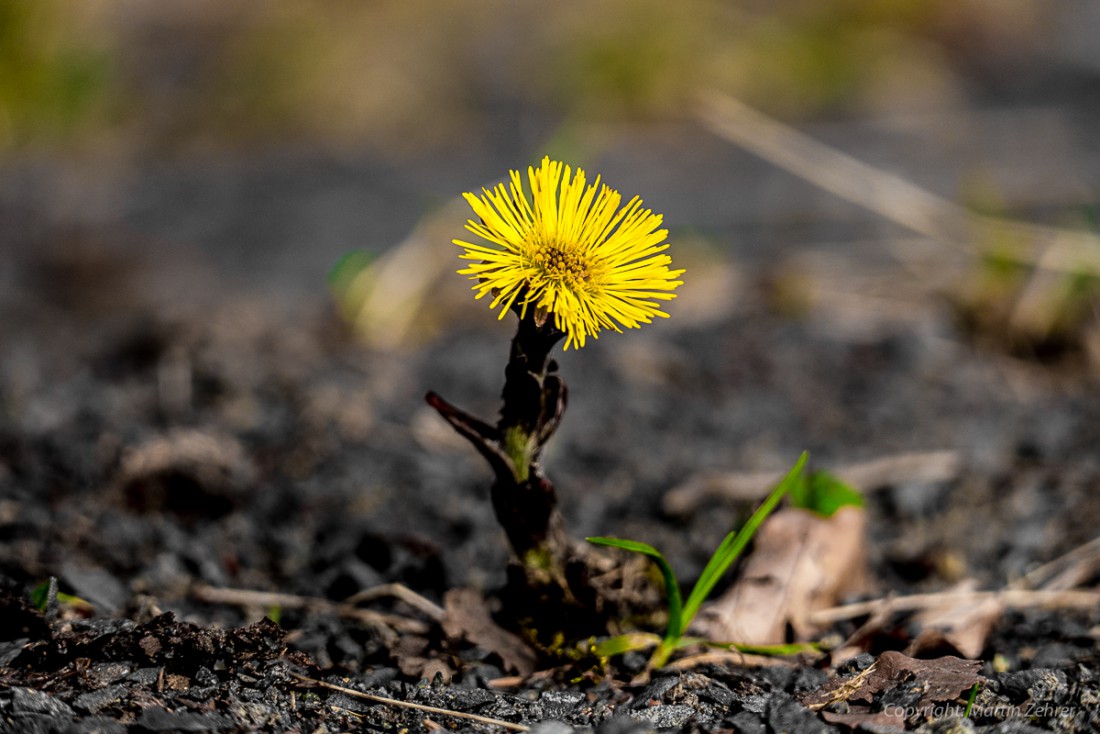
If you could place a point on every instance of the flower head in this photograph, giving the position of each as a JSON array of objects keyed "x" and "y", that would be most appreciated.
[{"x": 570, "y": 252}]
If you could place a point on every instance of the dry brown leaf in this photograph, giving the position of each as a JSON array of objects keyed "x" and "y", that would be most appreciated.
[
  {"x": 963, "y": 624},
  {"x": 412, "y": 655},
  {"x": 801, "y": 562},
  {"x": 468, "y": 617},
  {"x": 939, "y": 680}
]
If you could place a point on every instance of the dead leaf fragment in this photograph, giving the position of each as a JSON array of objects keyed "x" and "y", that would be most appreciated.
[
  {"x": 415, "y": 660},
  {"x": 939, "y": 680},
  {"x": 468, "y": 618},
  {"x": 963, "y": 624},
  {"x": 186, "y": 471},
  {"x": 801, "y": 562}
]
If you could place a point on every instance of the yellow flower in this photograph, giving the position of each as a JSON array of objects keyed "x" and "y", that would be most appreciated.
[{"x": 569, "y": 251}]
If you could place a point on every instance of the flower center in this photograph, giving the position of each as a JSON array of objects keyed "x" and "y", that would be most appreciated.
[{"x": 560, "y": 263}]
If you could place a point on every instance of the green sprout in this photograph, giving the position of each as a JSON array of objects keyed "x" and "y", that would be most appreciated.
[
  {"x": 823, "y": 493},
  {"x": 681, "y": 613},
  {"x": 46, "y": 597},
  {"x": 349, "y": 282},
  {"x": 971, "y": 699}
]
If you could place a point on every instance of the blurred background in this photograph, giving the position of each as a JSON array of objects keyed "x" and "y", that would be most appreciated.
[
  {"x": 271, "y": 138},
  {"x": 890, "y": 243},
  {"x": 265, "y": 141}
]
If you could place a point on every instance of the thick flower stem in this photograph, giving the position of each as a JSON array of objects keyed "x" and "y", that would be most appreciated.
[
  {"x": 534, "y": 400},
  {"x": 559, "y": 590},
  {"x": 552, "y": 572},
  {"x": 534, "y": 397}
]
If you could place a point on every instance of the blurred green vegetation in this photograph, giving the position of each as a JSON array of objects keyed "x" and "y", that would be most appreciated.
[
  {"x": 1026, "y": 311},
  {"x": 54, "y": 80},
  {"x": 1019, "y": 306},
  {"x": 400, "y": 76}
]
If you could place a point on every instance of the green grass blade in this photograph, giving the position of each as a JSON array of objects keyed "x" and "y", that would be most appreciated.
[
  {"x": 782, "y": 650},
  {"x": 672, "y": 587},
  {"x": 735, "y": 543},
  {"x": 970, "y": 701},
  {"x": 620, "y": 644}
]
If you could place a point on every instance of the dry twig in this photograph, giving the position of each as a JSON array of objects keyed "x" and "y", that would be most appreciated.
[
  {"x": 402, "y": 593},
  {"x": 1065, "y": 571},
  {"x": 253, "y": 598},
  {"x": 925, "y": 467},
  {"x": 1016, "y": 598},
  {"x": 1049, "y": 586},
  {"x": 892, "y": 197},
  {"x": 409, "y": 705}
]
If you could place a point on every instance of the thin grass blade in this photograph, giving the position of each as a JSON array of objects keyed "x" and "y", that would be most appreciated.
[
  {"x": 735, "y": 543},
  {"x": 672, "y": 587},
  {"x": 620, "y": 644}
]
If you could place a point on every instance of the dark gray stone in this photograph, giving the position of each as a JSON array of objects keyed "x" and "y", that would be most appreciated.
[
  {"x": 786, "y": 714},
  {"x": 1037, "y": 684},
  {"x": 95, "y": 701},
  {"x": 163, "y": 720},
  {"x": 746, "y": 722},
  {"x": 560, "y": 704},
  {"x": 672, "y": 716},
  {"x": 625, "y": 724},
  {"x": 26, "y": 701},
  {"x": 551, "y": 727}
]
